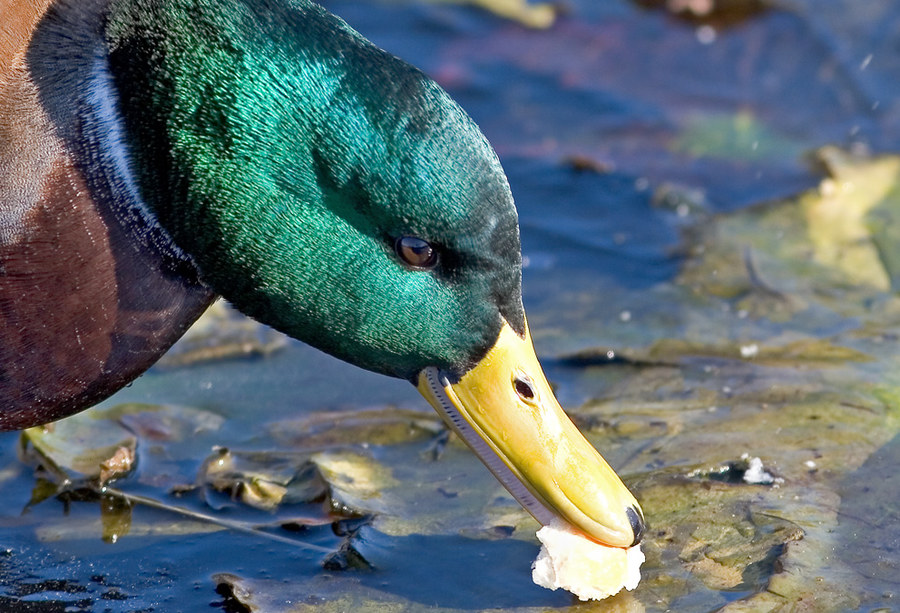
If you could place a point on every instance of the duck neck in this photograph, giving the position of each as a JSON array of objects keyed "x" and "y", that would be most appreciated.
[{"x": 68, "y": 61}]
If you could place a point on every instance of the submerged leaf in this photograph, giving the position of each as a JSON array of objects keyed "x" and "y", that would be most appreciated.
[
  {"x": 811, "y": 352},
  {"x": 538, "y": 15},
  {"x": 267, "y": 597},
  {"x": 222, "y": 334},
  {"x": 374, "y": 426}
]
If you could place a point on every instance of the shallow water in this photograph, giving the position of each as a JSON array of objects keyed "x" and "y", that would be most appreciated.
[{"x": 657, "y": 165}]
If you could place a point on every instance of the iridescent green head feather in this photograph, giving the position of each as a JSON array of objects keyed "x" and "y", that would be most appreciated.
[{"x": 294, "y": 153}]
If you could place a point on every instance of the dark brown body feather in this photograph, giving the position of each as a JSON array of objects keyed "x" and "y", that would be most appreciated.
[{"x": 84, "y": 306}]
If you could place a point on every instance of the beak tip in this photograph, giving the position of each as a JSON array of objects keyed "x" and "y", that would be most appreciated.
[{"x": 637, "y": 524}]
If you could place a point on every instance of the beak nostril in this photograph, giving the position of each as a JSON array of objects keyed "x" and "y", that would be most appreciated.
[
  {"x": 637, "y": 524},
  {"x": 524, "y": 388}
]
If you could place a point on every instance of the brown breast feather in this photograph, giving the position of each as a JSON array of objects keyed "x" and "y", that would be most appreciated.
[{"x": 82, "y": 310}]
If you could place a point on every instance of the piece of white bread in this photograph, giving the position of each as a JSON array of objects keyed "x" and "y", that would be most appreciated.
[{"x": 587, "y": 569}]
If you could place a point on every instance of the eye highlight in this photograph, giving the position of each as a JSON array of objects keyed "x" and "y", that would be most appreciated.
[{"x": 416, "y": 252}]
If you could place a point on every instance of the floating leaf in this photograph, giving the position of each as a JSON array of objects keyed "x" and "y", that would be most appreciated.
[
  {"x": 82, "y": 448},
  {"x": 263, "y": 480},
  {"x": 356, "y": 482},
  {"x": 838, "y": 216}
]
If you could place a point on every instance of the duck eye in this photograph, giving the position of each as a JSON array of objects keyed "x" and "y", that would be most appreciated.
[{"x": 416, "y": 252}]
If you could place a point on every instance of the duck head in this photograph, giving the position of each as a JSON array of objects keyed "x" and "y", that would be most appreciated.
[{"x": 337, "y": 194}]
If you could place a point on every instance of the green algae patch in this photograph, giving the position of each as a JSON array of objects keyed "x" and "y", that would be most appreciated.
[
  {"x": 741, "y": 137},
  {"x": 716, "y": 526},
  {"x": 777, "y": 361}
]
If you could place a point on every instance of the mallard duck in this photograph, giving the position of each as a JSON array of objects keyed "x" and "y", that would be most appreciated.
[{"x": 155, "y": 154}]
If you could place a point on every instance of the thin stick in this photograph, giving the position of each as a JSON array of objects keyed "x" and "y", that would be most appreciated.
[{"x": 231, "y": 525}]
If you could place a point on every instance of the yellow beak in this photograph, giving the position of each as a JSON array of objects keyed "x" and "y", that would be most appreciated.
[{"x": 507, "y": 413}]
